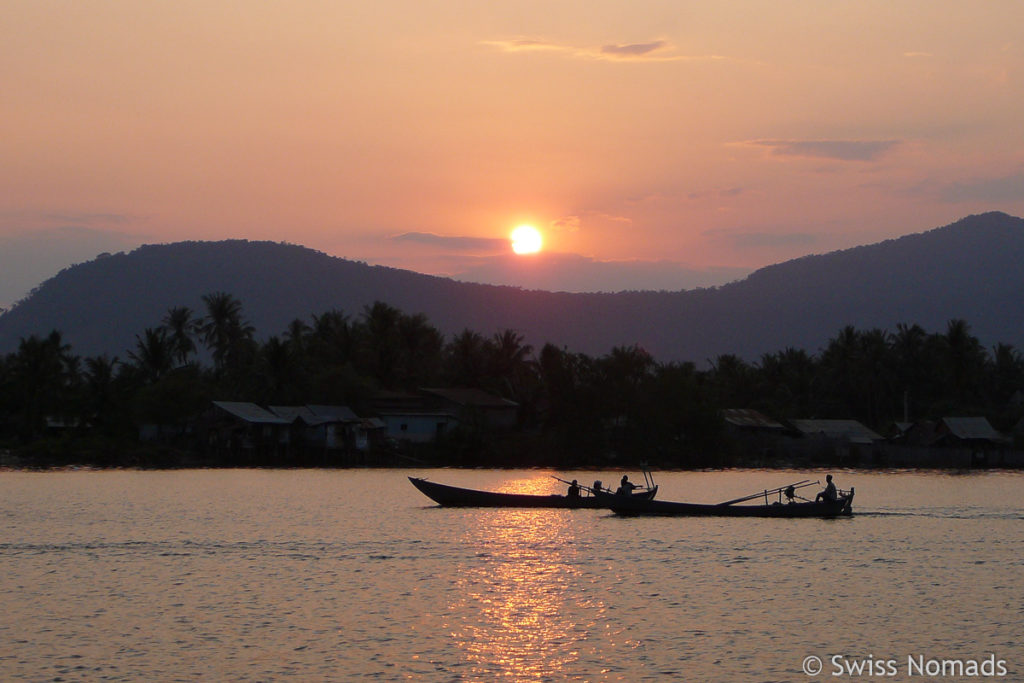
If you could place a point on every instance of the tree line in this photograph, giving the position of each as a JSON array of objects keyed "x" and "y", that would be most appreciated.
[{"x": 571, "y": 406}]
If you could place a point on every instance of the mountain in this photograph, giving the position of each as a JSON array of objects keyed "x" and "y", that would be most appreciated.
[{"x": 970, "y": 269}]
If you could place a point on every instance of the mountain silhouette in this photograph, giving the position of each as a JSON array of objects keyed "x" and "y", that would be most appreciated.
[{"x": 970, "y": 269}]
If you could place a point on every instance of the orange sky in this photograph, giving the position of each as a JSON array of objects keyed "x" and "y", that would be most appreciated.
[{"x": 685, "y": 142}]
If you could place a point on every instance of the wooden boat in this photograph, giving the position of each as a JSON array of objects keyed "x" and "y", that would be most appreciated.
[
  {"x": 453, "y": 496},
  {"x": 842, "y": 506}
]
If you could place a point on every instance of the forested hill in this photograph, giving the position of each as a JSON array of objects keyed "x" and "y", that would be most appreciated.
[{"x": 970, "y": 270}]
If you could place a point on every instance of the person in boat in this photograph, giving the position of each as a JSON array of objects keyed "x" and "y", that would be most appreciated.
[
  {"x": 626, "y": 486},
  {"x": 829, "y": 494},
  {"x": 574, "y": 489},
  {"x": 790, "y": 494},
  {"x": 597, "y": 487}
]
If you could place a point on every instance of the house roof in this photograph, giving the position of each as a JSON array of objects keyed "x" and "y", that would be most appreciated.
[
  {"x": 373, "y": 423},
  {"x": 850, "y": 430},
  {"x": 341, "y": 413},
  {"x": 971, "y": 428},
  {"x": 250, "y": 412},
  {"x": 316, "y": 414},
  {"x": 292, "y": 413},
  {"x": 744, "y": 417},
  {"x": 471, "y": 397}
]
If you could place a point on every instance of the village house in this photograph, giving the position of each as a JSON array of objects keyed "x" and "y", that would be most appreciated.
[
  {"x": 243, "y": 430},
  {"x": 475, "y": 407},
  {"x": 410, "y": 418},
  {"x": 844, "y": 439}
]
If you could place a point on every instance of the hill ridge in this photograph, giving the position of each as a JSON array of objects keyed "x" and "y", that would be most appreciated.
[{"x": 968, "y": 269}]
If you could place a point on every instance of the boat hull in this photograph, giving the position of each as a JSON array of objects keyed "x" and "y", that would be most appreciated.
[
  {"x": 454, "y": 496},
  {"x": 841, "y": 507}
]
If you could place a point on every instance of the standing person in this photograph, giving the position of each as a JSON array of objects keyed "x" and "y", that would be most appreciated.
[{"x": 829, "y": 493}]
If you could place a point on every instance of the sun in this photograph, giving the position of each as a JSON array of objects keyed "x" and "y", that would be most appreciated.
[{"x": 526, "y": 239}]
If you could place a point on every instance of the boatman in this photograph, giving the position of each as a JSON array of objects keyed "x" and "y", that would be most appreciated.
[
  {"x": 829, "y": 493},
  {"x": 626, "y": 486},
  {"x": 574, "y": 489}
]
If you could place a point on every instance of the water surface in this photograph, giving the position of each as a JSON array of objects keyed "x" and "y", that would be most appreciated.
[{"x": 335, "y": 575}]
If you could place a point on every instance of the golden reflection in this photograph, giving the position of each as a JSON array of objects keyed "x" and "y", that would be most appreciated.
[
  {"x": 537, "y": 486},
  {"x": 523, "y": 611}
]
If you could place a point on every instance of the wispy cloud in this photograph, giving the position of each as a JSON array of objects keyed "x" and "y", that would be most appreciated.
[
  {"x": 653, "y": 51},
  {"x": 762, "y": 239},
  {"x": 716, "y": 194},
  {"x": 836, "y": 150},
  {"x": 1005, "y": 188},
  {"x": 567, "y": 223},
  {"x": 633, "y": 50},
  {"x": 456, "y": 243}
]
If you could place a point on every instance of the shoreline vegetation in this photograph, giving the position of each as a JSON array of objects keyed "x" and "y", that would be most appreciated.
[{"x": 151, "y": 408}]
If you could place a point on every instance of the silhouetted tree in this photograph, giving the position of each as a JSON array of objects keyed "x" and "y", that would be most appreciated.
[
  {"x": 153, "y": 356},
  {"x": 225, "y": 332},
  {"x": 181, "y": 328}
]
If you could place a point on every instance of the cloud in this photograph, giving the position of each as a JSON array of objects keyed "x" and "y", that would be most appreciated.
[
  {"x": 716, "y": 194},
  {"x": 653, "y": 51},
  {"x": 456, "y": 243},
  {"x": 527, "y": 45},
  {"x": 837, "y": 150},
  {"x": 575, "y": 273},
  {"x": 760, "y": 239},
  {"x": 566, "y": 224},
  {"x": 1008, "y": 188},
  {"x": 634, "y": 50}
]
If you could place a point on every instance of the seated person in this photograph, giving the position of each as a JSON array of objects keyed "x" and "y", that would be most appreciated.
[
  {"x": 574, "y": 489},
  {"x": 829, "y": 494},
  {"x": 626, "y": 486}
]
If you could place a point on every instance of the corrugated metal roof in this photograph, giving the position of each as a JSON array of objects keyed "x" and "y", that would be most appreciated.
[
  {"x": 744, "y": 417},
  {"x": 850, "y": 430},
  {"x": 315, "y": 415},
  {"x": 971, "y": 428},
  {"x": 342, "y": 413},
  {"x": 250, "y": 412},
  {"x": 291, "y": 413}
]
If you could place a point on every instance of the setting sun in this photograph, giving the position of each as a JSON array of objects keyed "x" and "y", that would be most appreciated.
[{"x": 526, "y": 239}]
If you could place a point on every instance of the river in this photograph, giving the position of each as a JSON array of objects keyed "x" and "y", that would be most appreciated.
[{"x": 257, "y": 575}]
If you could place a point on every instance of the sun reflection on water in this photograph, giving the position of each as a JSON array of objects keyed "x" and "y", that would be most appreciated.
[{"x": 522, "y": 613}]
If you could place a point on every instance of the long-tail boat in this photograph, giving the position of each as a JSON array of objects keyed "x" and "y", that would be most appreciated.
[
  {"x": 454, "y": 496},
  {"x": 794, "y": 506}
]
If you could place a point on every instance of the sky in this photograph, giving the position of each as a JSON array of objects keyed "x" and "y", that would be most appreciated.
[{"x": 655, "y": 145}]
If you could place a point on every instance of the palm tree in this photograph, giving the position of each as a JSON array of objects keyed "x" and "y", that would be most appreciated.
[
  {"x": 180, "y": 327},
  {"x": 964, "y": 362},
  {"x": 332, "y": 338},
  {"x": 224, "y": 331},
  {"x": 731, "y": 380},
  {"x": 41, "y": 373},
  {"x": 1007, "y": 373},
  {"x": 787, "y": 382},
  {"x": 841, "y": 369},
  {"x": 153, "y": 355},
  {"x": 380, "y": 341},
  {"x": 420, "y": 348},
  {"x": 509, "y": 360},
  {"x": 295, "y": 335},
  {"x": 276, "y": 371},
  {"x": 100, "y": 390},
  {"x": 466, "y": 359}
]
